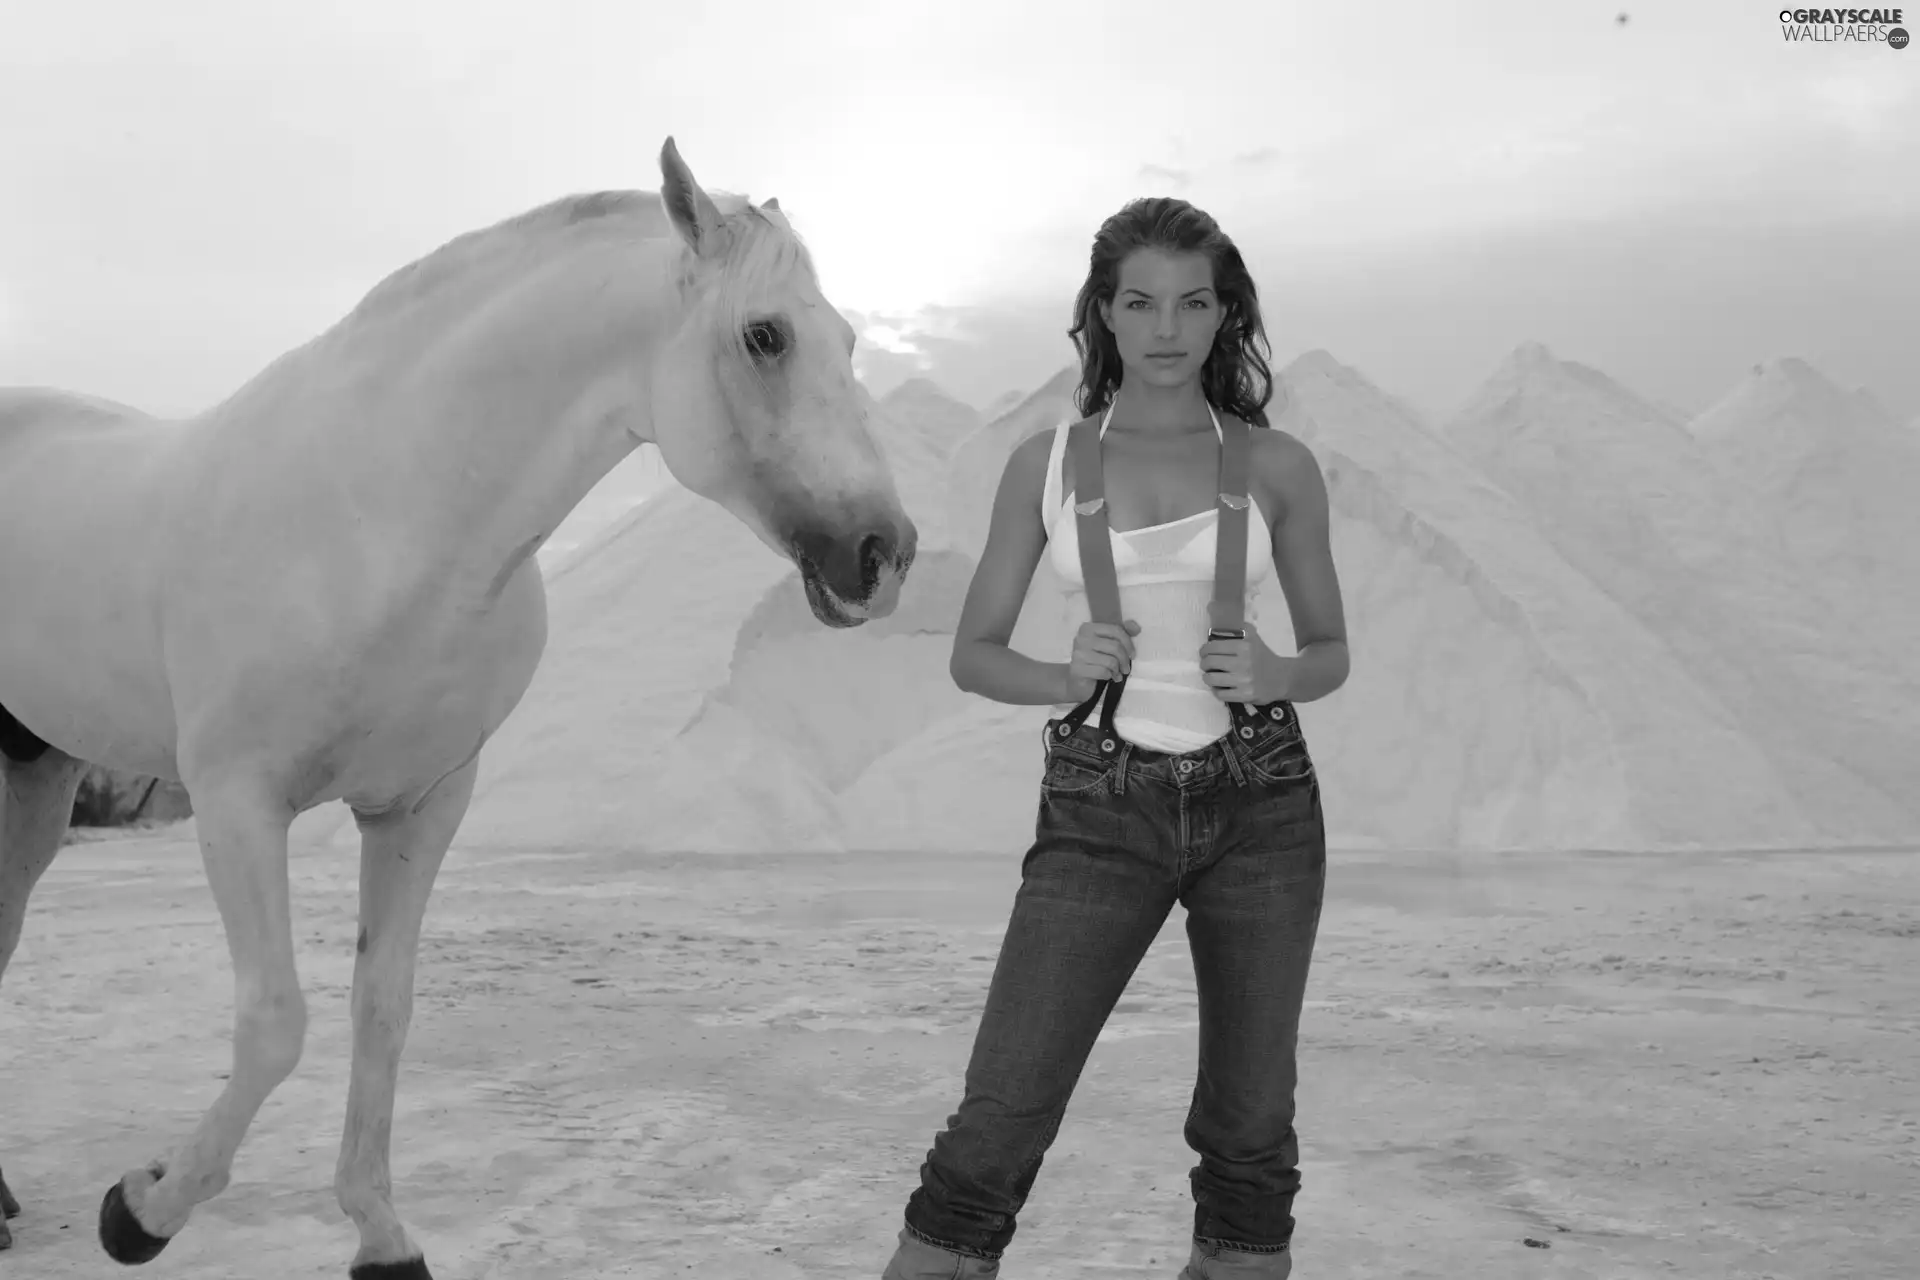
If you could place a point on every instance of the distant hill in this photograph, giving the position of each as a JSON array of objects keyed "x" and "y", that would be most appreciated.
[
  {"x": 931, "y": 414},
  {"x": 982, "y": 456},
  {"x": 918, "y": 426},
  {"x": 1831, "y": 469},
  {"x": 1001, "y": 403},
  {"x": 690, "y": 701},
  {"x": 1570, "y": 629},
  {"x": 1635, "y": 502}
]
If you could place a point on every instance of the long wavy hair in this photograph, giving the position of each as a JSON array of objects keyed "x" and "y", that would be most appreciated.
[{"x": 1235, "y": 377}]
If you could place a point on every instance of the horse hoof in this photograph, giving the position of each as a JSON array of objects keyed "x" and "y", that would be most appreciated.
[
  {"x": 6, "y": 1236},
  {"x": 9, "y": 1207},
  {"x": 411, "y": 1269},
  {"x": 121, "y": 1234}
]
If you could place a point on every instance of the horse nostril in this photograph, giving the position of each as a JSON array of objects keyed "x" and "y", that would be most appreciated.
[{"x": 873, "y": 558}]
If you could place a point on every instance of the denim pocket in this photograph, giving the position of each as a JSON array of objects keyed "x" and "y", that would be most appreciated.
[
  {"x": 1069, "y": 773},
  {"x": 1279, "y": 759}
]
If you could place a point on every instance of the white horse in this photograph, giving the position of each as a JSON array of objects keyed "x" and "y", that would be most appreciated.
[{"x": 325, "y": 588}]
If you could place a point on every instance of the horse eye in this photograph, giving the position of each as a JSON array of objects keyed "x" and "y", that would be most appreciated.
[{"x": 766, "y": 340}]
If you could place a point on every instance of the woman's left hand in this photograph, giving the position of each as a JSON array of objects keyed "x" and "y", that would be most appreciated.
[{"x": 1245, "y": 670}]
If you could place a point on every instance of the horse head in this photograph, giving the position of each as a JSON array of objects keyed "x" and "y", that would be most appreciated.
[{"x": 755, "y": 405}]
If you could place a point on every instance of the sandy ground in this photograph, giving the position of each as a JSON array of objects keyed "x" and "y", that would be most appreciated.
[{"x": 1694, "y": 1066}]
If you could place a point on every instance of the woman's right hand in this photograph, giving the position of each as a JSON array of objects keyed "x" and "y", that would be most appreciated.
[{"x": 1101, "y": 651}]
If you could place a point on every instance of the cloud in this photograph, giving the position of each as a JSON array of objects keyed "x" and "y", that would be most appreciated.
[
  {"x": 204, "y": 177},
  {"x": 975, "y": 353},
  {"x": 885, "y": 352},
  {"x": 882, "y": 369},
  {"x": 1176, "y": 178},
  {"x": 1870, "y": 105}
]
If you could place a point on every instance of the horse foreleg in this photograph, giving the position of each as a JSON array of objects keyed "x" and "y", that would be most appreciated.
[
  {"x": 36, "y": 803},
  {"x": 400, "y": 853},
  {"x": 243, "y": 844}
]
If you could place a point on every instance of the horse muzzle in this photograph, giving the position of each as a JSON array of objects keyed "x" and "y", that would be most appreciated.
[{"x": 853, "y": 575}]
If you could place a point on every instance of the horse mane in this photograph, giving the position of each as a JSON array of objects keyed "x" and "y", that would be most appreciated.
[{"x": 510, "y": 237}]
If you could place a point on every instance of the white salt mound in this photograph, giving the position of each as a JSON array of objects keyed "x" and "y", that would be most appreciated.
[{"x": 1539, "y": 662}]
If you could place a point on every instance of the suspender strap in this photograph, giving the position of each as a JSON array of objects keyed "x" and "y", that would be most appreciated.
[
  {"x": 1090, "y": 511},
  {"x": 1226, "y": 612},
  {"x": 1096, "y": 552},
  {"x": 1228, "y": 609}
]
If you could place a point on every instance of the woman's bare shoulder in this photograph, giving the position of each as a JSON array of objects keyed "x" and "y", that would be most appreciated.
[
  {"x": 1281, "y": 457},
  {"x": 1028, "y": 460},
  {"x": 1032, "y": 451},
  {"x": 1282, "y": 471}
]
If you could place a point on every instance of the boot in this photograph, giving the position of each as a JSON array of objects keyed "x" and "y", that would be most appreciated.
[
  {"x": 915, "y": 1259},
  {"x": 1217, "y": 1262}
]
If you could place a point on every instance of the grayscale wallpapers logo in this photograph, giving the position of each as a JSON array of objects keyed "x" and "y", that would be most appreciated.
[{"x": 1837, "y": 26}]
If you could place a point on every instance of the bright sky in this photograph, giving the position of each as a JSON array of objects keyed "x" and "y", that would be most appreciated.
[{"x": 188, "y": 190}]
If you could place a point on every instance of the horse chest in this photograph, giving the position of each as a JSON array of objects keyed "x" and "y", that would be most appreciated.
[
  {"x": 426, "y": 696},
  {"x": 459, "y": 661}
]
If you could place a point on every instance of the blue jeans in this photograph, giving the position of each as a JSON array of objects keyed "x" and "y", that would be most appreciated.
[{"x": 1234, "y": 832}]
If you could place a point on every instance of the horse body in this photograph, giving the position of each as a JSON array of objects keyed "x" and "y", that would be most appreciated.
[
  {"x": 325, "y": 588},
  {"x": 76, "y": 538},
  {"x": 337, "y": 650}
]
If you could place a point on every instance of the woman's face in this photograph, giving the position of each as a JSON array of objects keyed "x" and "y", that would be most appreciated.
[{"x": 1164, "y": 315}]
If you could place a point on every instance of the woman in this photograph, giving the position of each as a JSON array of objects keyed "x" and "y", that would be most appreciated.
[{"x": 1180, "y": 792}]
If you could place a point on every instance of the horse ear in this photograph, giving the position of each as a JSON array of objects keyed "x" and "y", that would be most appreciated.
[
  {"x": 693, "y": 215},
  {"x": 773, "y": 202}
]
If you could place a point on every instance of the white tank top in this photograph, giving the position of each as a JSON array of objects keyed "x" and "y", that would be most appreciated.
[{"x": 1166, "y": 582}]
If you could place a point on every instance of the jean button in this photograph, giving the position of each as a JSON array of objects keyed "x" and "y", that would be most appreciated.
[
  {"x": 1186, "y": 766},
  {"x": 1246, "y": 731}
]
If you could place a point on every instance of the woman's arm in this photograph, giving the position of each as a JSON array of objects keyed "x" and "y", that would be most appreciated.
[
  {"x": 1303, "y": 562},
  {"x": 982, "y": 663}
]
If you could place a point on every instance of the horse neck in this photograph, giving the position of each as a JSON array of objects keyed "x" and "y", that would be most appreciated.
[{"x": 468, "y": 431}]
